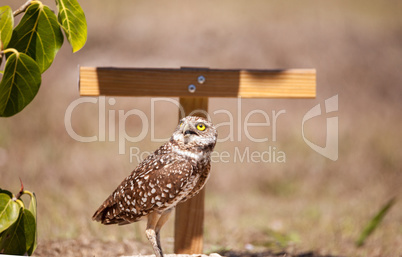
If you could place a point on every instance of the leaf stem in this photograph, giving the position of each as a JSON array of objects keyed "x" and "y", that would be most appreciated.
[
  {"x": 9, "y": 50},
  {"x": 21, "y": 203},
  {"x": 28, "y": 193}
]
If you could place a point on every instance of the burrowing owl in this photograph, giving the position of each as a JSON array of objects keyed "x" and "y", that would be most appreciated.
[{"x": 175, "y": 172}]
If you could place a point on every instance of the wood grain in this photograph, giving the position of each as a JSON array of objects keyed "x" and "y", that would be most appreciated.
[{"x": 292, "y": 83}]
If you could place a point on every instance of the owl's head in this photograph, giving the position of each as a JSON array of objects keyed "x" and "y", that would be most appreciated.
[{"x": 196, "y": 132}]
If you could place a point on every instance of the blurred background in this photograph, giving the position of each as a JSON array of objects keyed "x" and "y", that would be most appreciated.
[{"x": 307, "y": 203}]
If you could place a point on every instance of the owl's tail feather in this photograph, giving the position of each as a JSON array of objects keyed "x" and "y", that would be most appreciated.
[{"x": 106, "y": 214}]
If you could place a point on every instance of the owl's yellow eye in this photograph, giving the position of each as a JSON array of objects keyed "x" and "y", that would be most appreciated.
[
  {"x": 201, "y": 126},
  {"x": 181, "y": 124}
]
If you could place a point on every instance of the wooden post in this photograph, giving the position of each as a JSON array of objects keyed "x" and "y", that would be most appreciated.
[
  {"x": 291, "y": 83},
  {"x": 189, "y": 220}
]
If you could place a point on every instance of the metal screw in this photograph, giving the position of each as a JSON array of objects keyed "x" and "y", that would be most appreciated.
[
  {"x": 191, "y": 88},
  {"x": 201, "y": 79}
]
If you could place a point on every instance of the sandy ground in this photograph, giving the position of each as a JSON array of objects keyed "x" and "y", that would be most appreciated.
[{"x": 77, "y": 248}]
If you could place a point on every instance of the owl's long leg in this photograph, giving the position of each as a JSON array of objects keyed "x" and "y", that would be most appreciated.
[
  {"x": 162, "y": 220},
  {"x": 153, "y": 219}
]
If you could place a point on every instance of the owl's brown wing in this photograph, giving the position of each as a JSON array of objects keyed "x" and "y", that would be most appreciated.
[{"x": 157, "y": 184}]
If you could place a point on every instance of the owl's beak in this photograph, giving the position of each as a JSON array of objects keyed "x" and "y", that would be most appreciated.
[{"x": 188, "y": 131}]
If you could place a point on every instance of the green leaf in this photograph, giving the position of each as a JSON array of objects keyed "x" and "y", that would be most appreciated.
[
  {"x": 32, "y": 209},
  {"x": 2, "y": 191},
  {"x": 33, "y": 203},
  {"x": 6, "y": 25},
  {"x": 38, "y": 35},
  {"x": 374, "y": 222},
  {"x": 19, "y": 85},
  {"x": 29, "y": 231},
  {"x": 18, "y": 238},
  {"x": 74, "y": 24},
  {"x": 9, "y": 210}
]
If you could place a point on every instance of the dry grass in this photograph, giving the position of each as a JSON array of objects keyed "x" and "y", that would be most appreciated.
[{"x": 308, "y": 203}]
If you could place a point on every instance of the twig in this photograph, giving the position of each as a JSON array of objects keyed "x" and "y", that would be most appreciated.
[
  {"x": 22, "y": 8},
  {"x": 20, "y": 193}
]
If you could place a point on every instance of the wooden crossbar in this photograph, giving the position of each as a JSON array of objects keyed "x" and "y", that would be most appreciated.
[{"x": 292, "y": 83}]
